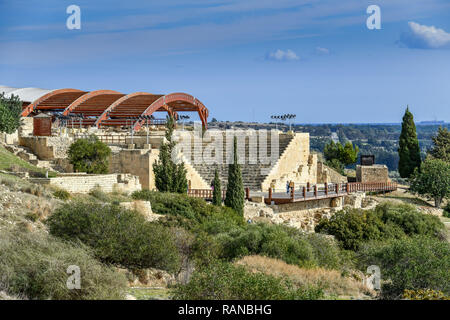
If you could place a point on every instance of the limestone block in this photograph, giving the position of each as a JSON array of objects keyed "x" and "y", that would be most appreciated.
[{"x": 258, "y": 199}]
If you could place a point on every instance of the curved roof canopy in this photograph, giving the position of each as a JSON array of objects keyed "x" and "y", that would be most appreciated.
[{"x": 103, "y": 108}]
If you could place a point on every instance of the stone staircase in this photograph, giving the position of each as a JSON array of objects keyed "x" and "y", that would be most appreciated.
[
  {"x": 27, "y": 155},
  {"x": 252, "y": 174}
]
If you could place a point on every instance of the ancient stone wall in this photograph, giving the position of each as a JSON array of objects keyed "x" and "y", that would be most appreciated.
[
  {"x": 137, "y": 162},
  {"x": 47, "y": 148},
  {"x": 83, "y": 183},
  {"x": 295, "y": 164},
  {"x": 327, "y": 174},
  {"x": 375, "y": 173}
]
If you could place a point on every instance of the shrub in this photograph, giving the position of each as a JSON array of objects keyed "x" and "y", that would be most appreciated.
[
  {"x": 287, "y": 244},
  {"x": 333, "y": 282},
  {"x": 411, "y": 221},
  {"x": 117, "y": 235},
  {"x": 195, "y": 209},
  {"x": 446, "y": 212},
  {"x": 61, "y": 194},
  {"x": 427, "y": 294},
  {"x": 353, "y": 227},
  {"x": 35, "y": 266},
  {"x": 409, "y": 264},
  {"x": 223, "y": 281},
  {"x": 89, "y": 155},
  {"x": 98, "y": 193}
]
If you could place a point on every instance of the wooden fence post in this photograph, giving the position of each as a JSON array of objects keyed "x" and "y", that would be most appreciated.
[
  {"x": 247, "y": 193},
  {"x": 293, "y": 192},
  {"x": 304, "y": 193},
  {"x": 315, "y": 190},
  {"x": 308, "y": 186},
  {"x": 270, "y": 195},
  {"x": 326, "y": 188}
]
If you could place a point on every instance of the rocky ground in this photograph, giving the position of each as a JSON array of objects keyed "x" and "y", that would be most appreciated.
[
  {"x": 304, "y": 220},
  {"x": 26, "y": 205}
]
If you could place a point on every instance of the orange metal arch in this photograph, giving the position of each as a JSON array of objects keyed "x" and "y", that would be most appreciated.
[
  {"x": 172, "y": 97},
  {"x": 86, "y": 97},
  {"x": 116, "y": 103},
  {"x": 32, "y": 106}
]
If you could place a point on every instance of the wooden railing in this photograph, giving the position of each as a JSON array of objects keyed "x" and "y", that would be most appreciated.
[
  {"x": 208, "y": 193},
  {"x": 307, "y": 192}
]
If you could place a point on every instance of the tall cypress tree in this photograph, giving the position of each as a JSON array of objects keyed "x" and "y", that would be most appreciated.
[
  {"x": 217, "y": 193},
  {"x": 409, "y": 151},
  {"x": 169, "y": 176},
  {"x": 235, "y": 189}
]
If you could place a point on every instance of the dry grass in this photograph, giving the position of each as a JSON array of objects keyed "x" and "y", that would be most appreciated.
[{"x": 332, "y": 281}]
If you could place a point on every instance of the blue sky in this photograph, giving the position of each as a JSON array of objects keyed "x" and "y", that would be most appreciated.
[{"x": 245, "y": 60}]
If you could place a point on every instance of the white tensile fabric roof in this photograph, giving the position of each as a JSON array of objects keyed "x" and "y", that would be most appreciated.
[{"x": 25, "y": 94}]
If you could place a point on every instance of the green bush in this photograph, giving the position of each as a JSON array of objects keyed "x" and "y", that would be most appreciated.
[
  {"x": 117, "y": 236},
  {"x": 35, "y": 266},
  {"x": 412, "y": 263},
  {"x": 387, "y": 221},
  {"x": 89, "y": 155},
  {"x": 61, "y": 194},
  {"x": 195, "y": 209},
  {"x": 424, "y": 294},
  {"x": 353, "y": 227},
  {"x": 223, "y": 281},
  {"x": 98, "y": 193},
  {"x": 285, "y": 243},
  {"x": 446, "y": 212},
  {"x": 411, "y": 221}
]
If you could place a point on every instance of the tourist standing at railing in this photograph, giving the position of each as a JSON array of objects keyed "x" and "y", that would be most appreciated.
[
  {"x": 291, "y": 186},
  {"x": 287, "y": 186}
]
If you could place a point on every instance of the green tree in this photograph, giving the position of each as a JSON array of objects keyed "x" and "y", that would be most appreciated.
[
  {"x": 441, "y": 148},
  {"x": 217, "y": 193},
  {"x": 235, "y": 188},
  {"x": 409, "y": 151},
  {"x": 89, "y": 155},
  {"x": 433, "y": 180},
  {"x": 10, "y": 110},
  {"x": 331, "y": 150},
  {"x": 349, "y": 154},
  {"x": 338, "y": 156},
  {"x": 169, "y": 176}
]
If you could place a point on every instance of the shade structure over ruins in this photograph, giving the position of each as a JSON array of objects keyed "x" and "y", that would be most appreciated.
[{"x": 105, "y": 108}]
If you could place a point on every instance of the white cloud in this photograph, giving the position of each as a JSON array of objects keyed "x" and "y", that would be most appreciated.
[
  {"x": 322, "y": 51},
  {"x": 425, "y": 37},
  {"x": 280, "y": 55}
]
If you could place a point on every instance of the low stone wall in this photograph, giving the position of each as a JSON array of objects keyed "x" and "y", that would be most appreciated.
[
  {"x": 83, "y": 183},
  {"x": 12, "y": 138},
  {"x": 309, "y": 205}
]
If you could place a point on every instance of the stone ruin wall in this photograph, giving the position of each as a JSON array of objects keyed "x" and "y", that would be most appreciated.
[
  {"x": 84, "y": 183},
  {"x": 296, "y": 164}
]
